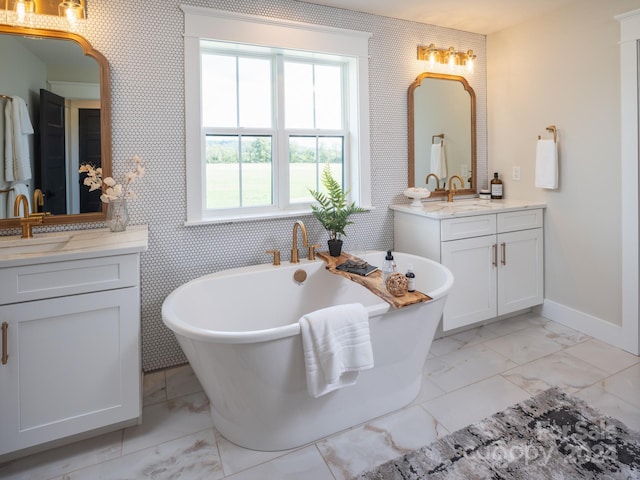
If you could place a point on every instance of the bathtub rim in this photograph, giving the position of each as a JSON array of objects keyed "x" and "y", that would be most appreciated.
[{"x": 181, "y": 327}]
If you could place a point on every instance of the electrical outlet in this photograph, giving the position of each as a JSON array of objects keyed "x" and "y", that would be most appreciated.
[{"x": 515, "y": 174}]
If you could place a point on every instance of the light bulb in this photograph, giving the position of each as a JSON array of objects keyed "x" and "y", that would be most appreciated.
[
  {"x": 23, "y": 8},
  {"x": 72, "y": 10}
]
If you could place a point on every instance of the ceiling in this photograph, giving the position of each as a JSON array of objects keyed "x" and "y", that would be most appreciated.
[{"x": 478, "y": 16}]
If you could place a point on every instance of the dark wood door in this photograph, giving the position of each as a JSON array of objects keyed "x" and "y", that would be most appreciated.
[
  {"x": 51, "y": 175},
  {"x": 90, "y": 151}
]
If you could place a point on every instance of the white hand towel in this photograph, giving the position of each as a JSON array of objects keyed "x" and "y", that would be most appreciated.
[
  {"x": 336, "y": 347},
  {"x": 547, "y": 164},
  {"x": 21, "y": 125},
  {"x": 8, "y": 142},
  {"x": 438, "y": 160}
]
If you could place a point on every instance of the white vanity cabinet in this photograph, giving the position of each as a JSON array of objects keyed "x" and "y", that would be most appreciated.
[
  {"x": 71, "y": 346},
  {"x": 496, "y": 259}
]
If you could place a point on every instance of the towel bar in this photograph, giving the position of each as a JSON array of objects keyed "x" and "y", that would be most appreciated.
[
  {"x": 554, "y": 130},
  {"x": 433, "y": 138}
]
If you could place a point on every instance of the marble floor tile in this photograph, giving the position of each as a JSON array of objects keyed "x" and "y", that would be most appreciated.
[
  {"x": 236, "y": 458},
  {"x": 611, "y": 405},
  {"x": 181, "y": 381},
  {"x": 525, "y": 345},
  {"x": 60, "y": 460},
  {"x": 361, "y": 448},
  {"x": 306, "y": 463},
  {"x": 154, "y": 388},
  {"x": 428, "y": 390},
  {"x": 475, "y": 335},
  {"x": 168, "y": 421},
  {"x": 558, "y": 369},
  {"x": 564, "y": 335},
  {"x": 193, "y": 457},
  {"x": 445, "y": 345},
  {"x": 604, "y": 356},
  {"x": 466, "y": 366},
  {"x": 515, "y": 324},
  {"x": 472, "y": 403},
  {"x": 625, "y": 384}
]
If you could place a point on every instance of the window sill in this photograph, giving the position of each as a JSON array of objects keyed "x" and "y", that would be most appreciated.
[{"x": 253, "y": 217}]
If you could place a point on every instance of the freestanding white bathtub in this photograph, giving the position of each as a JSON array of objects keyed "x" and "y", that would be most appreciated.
[{"x": 239, "y": 330}]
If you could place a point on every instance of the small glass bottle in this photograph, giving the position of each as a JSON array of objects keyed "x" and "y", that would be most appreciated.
[
  {"x": 388, "y": 267},
  {"x": 411, "y": 277},
  {"x": 496, "y": 187}
]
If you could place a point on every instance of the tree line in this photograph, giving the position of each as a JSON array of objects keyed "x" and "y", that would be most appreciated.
[{"x": 258, "y": 150}]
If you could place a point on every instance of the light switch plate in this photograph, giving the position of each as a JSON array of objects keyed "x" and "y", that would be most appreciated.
[{"x": 515, "y": 174}]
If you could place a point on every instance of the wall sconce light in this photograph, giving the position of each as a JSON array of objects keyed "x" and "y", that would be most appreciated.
[
  {"x": 72, "y": 10},
  {"x": 40, "y": 13},
  {"x": 455, "y": 60}
]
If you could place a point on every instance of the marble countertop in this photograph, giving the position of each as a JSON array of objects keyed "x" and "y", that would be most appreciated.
[
  {"x": 71, "y": 245},
  {"x": 465, "y": 208}
]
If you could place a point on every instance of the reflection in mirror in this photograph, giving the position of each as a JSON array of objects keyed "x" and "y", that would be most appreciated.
[
  {"x": 55, "y": 116},
  {"x": 442, "y": 133}
]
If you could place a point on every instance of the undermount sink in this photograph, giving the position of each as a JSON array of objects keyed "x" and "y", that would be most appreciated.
[
  {"x": 465, "y": 206},
  {"x": 38, "y": 244}
]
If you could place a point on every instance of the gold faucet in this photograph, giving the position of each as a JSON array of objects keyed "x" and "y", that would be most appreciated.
[
  {"x": 305, "y": 242},
  {"x": 27, "y": 221},
  {"x": 38, "y": 200},
  {"x": 438, "y": 189},
  {"x": 451, "y": 192}
]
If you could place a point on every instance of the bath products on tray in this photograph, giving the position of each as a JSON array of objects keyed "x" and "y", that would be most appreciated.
[
  {"x": 411, "y": 277},
  {"x": 357, "y": 266},
  {"x": 388, "y": 267}
]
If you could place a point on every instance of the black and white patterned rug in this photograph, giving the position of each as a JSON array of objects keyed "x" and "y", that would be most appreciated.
[{"x": 550, "y": 436}]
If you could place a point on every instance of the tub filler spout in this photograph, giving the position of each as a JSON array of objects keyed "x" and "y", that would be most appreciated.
[{"x": 294, "y": 246}]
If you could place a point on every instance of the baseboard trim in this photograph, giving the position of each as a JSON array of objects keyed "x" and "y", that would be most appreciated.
[{"x": 583, "y": 322}]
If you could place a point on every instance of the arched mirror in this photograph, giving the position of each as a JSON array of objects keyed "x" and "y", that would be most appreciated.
[
  {"x": 65, "y": 87},
  {"x": 442, "y": 133}
]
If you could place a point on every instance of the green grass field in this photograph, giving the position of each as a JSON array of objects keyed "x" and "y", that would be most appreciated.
[{"x": 223, "y": 187}]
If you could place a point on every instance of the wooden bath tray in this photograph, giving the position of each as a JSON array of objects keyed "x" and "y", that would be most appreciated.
[{"x": 373, "y": 282}]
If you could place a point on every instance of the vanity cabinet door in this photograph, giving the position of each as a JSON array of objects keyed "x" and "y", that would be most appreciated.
[
  {"x": 520, "y": 272},
  {"x": 473, "y": 264},
  {"x": 73, "y": 365}
]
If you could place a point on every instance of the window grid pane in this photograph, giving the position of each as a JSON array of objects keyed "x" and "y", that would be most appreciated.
[
  {"x": 313, "y": 96},
  {"x": 307, "y": 157},
  {"x": 219, "y": 91},
  {"x": 254, "y": 86},
  {"x": 239, "y": 171}
]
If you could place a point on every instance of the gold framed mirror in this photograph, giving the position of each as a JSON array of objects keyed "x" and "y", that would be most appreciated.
[
  {"x": 442, "y": 133},
  {"x": 55, "y": 49}
]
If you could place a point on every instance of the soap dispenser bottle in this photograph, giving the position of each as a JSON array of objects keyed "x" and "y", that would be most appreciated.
[
  {"x": 388, "y": 267},
  {"x": 411, "y": 278},
  {"x": 497, "y": 191}
]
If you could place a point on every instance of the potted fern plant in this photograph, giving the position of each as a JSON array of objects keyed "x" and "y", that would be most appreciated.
[{"x": 333, "y": 210}]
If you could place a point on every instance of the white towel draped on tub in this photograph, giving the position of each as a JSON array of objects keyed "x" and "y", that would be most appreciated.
[
  {"x": 547, "y": 164},
  {"x": 438, "y": 160},
  {"x": 336, "y": 347}
]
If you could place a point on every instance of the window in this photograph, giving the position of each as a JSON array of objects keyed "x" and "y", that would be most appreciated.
[{"x": 263, "y": 118}]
